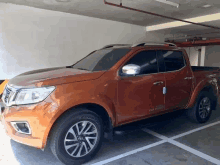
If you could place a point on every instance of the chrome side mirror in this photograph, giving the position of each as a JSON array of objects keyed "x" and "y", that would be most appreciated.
[{"x": 131, "y": 69}]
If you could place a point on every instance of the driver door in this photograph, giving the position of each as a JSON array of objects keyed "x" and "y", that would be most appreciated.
[{"x": 142, "y": 94}]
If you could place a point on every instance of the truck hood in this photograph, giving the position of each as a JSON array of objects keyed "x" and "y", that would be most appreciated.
[{"x": 53, "y": 76}]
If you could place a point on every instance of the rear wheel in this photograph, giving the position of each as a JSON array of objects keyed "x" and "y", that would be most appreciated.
[
  {"x": 202, "y": 110},
  {"x": 77, "y": 137}
]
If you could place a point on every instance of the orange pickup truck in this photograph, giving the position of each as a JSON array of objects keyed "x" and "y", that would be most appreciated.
[{"x": 70, "y": 108}]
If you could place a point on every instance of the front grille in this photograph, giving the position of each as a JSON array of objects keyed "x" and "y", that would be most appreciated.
[{"x": 8, "y": 94}]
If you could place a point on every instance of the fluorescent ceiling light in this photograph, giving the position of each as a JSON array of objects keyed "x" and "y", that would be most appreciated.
[
  {"x": 201, "y": 19},
  {"x": 169, "y": 3},
  {"x": 205, "y": 6}
]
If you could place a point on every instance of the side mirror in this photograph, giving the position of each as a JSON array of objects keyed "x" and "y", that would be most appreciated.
[{"x": 131, "y": 69}]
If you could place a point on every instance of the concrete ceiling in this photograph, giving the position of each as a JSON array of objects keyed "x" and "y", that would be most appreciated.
[{"x": 97, "y": 8}]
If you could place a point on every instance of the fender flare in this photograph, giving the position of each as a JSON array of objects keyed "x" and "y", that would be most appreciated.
[
  {"x": 106, "y": 104},
  {"x": 201, "y": 85}
]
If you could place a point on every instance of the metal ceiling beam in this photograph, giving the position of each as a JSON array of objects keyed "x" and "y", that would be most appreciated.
[
  {"x": 198, "y": 43},
  {"x": 159, "y": 15}
]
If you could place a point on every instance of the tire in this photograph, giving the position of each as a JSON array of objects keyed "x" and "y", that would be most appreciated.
[
  {"x": 202, "y": 110},
  {"x": 75, "y": 149}
]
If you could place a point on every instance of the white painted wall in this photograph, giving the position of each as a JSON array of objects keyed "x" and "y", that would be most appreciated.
[
  {"x": 193, "y": 55},
  {"x": 203, "y": 50},
  {"x": 212, "y": 56},
  {"x": 32, "y": 38}
]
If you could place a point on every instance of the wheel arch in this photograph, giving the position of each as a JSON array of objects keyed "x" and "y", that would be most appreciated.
[
  {"x": 93, "y": 107},
  {"x": 204, "y": 86}
]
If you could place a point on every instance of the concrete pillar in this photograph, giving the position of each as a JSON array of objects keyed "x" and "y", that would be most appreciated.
[
  {"x": 202, "y": 56},
  {"x": 199, "y": 57}
]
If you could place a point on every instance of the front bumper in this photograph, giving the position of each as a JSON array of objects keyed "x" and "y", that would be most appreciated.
[{"x": 38, "y": 117}]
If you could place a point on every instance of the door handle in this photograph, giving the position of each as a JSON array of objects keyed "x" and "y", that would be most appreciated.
[
  {"x": 188, "y": 78},
  {"x": 164, "y": 90},
  {"x": 158, "y": 82}
]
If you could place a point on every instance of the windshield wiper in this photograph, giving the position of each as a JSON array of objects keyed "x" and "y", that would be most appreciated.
[
  {"x": 71, "y": 66},
  {"x": 82, "y": 68}
]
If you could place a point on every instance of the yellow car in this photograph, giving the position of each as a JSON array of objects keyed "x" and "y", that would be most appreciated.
[{"x": 2, "y": 86}]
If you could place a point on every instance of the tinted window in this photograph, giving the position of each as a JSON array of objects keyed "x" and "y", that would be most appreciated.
[
  {"x": 146, "y": 60},
  {"x": 173, "y": 60},
  {"x": 102, "y": 59},
  {"x": 161, "y": 64}
]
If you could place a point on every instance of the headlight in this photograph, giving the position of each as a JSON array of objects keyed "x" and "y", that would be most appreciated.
[{"x": 32, "y": 95}]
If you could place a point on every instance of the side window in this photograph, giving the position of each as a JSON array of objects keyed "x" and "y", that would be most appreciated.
[
  {"x": 147, "y": 60},
  {"x": 173, "y": 60}
]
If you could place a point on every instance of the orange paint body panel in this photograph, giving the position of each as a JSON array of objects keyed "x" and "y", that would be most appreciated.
[{"x": 125, "y": 99}]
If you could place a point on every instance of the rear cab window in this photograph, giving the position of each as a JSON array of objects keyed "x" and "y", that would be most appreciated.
[{"x": 170, "y": 60}]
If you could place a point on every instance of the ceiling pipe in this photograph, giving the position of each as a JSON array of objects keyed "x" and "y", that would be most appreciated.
[
  {"x": 146, "y": 12},
  {"x": 210, "y": 35},
  {"x": 198, "y": 43}
]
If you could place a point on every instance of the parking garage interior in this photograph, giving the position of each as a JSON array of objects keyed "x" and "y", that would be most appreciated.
[{"x": 55, "y": 33}]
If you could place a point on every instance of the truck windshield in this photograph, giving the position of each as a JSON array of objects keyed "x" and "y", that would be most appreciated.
[{"x": 101, "y": 60}]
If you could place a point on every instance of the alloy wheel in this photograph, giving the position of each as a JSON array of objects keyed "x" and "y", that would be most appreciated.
[
  {"x": 80, "y": 139},
  {"x": 204, "y": 107}
]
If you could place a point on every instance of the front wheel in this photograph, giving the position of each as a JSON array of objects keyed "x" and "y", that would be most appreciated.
[
  {"x": 77, "y": 137},
  {"x": 202, "y": 110}
]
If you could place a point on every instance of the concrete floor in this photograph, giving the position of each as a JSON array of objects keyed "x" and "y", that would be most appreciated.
[{"x": 171, "y": 139}]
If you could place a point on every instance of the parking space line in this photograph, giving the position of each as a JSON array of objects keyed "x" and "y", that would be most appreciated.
[
  {"x": 129, "y": 153},
  {"x": 194, "y": 130},
  {"x": 187, "y": 148},
  {"x": 195, "y": 152},
  {"x": 170, "y": 140},
  {"x": 155, "y": 134}
]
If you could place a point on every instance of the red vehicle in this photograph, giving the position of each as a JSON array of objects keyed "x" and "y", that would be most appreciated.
[{"x": 72, "y": 107}]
